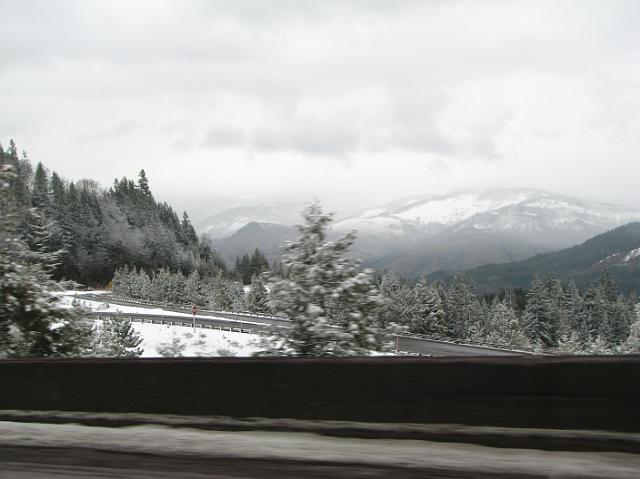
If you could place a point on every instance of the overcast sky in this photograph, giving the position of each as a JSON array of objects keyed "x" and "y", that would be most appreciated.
[{"x": 355, "y": 103}]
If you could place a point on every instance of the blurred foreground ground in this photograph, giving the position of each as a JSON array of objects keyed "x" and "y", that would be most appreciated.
[{"x": 39, "y": 450}]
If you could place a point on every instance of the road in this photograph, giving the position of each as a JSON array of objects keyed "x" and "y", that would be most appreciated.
[
  {"x": 442, "y": 348},
  {"x": 38, "y": 451},
  {"x": 406, "y": 344}
]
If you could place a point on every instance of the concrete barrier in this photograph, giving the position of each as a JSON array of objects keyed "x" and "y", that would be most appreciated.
[{"x": 551, "y": 392}]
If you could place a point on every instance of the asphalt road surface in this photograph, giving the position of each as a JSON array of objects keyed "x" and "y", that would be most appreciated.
[
  {"x": 38, "y": 451},
  {"x": 442, "y": 348},
  {"x": 45, "y": 464}
]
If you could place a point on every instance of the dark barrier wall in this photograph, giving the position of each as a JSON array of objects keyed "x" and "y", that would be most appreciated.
[{"x": 573, "y": 393}]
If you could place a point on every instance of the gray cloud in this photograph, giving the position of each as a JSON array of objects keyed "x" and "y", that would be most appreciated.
[
  {"x": 225, "y": 136},
  {"x": 468, "y": 91},
  {"x": 123, "y": 128}
]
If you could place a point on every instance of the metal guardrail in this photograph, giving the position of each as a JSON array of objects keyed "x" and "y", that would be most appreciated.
[
  {"x": 187, "y": 308},
  {"x": 200, "y": 323}
]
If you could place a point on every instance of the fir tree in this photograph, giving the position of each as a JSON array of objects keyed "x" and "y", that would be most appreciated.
[
  {"x": 258, "y": 263},
  {"x": 32, "y": 320},
  {"x": 538, "y": 318},
  {"x": 618, "y": 322},
  {"x": 400, "y": 306},
  {"x": 258, "y": 296},
  {"x": 143, "y": 183},
  {"x": 632, "y": 344},
  {"x": 192, "y": 290},
  {"x": 116, "y": 338},
  {"x": 430, "y": 317},
  {"x": 503, "y": 327},
  {"x": 462, "y": 307},
  {"x": 188, "y": 233},
  {"x": 332, "y": 306},
  {"x": 40, "y": 190}
]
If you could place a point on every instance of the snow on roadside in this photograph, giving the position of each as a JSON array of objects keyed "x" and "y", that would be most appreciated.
[
  {"x": 198, "y": 343},
  {"x": 68, "y": 300}
]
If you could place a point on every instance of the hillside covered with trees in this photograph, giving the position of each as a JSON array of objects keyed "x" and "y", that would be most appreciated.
[
  {"x": 101, "y": 229},
  {"x": 615, "y": 251}
]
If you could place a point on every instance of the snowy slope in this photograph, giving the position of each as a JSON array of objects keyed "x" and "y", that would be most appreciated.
[
  {"x": 459, "y": 231},
  {"x": 496, "y": 210},
  {"x": 198, "y": 342},
  {"x": 452, "y": 209}
]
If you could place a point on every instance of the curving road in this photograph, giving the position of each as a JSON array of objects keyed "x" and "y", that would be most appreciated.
[{"x": 256, "y": 324}]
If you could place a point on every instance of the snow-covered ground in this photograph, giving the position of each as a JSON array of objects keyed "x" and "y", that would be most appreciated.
[
  {"x": 201, "y": 342},
  {"x": 198, "y": 342}
]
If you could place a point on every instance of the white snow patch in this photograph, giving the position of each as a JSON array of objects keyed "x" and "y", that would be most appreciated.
[
  {"x": 198, "y": 342},
  {"x": 607, "y": 258},
  {"x": 372, "y": 212},
  {"x": 632, "y": 254},
  {"x": 457, "y": 208}
]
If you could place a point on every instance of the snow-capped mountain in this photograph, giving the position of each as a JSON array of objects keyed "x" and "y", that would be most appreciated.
[
  {"x": 422, "y": 234},
  {"x": 515, "y": 210},
  {"x": 462, "y": 230},
  {"x": 228, "y": 222}
]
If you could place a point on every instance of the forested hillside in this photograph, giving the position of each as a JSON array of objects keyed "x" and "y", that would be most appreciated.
[
  {"x": 617, "y": 250},
  {"x": 103, "y": 229}
]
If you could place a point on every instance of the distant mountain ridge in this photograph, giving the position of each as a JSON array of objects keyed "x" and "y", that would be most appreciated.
[
  {"x": 419, "y": 235},
  {"x": 617, "y": 250},
  {"x": 268, "y": 237},
  {"x": 467, "y": 229},
  {"x": 227, "y": 222}
]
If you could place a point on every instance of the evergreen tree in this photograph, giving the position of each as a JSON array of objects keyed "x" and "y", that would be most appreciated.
[
  {"x": 618, "y": 322},
  {"x": 40, "y": 191},
  {"x": 332, "y": 306},
  {"x": 503, "y": 327},
  {"x": 632, "y": 344},
  {"x": 557, "y": 316},
  {"x": 430, "y": 317},
  {"x": 538, "y": 318},
  {"x": 259, "y": 263},
  {"x": 192, "y": 290},
  {"x": 188, "y": 233},
  {"x": 226, "y": 295},
  {"x": 399, "y": 305},
  {"x": 258, "y": 296},
  {"x": 462, "y": 307},
  {"x": 32, "y": 321},
  {"x": 143, "y": 183},
  {"x": 243, "y": 269},
  {"x": 116, "y": 338}
]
